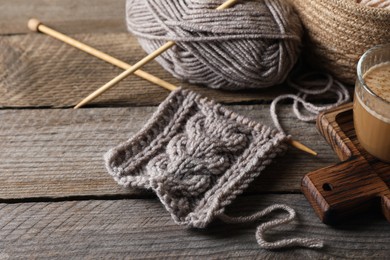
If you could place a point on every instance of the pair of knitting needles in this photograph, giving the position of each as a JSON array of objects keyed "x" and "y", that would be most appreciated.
[
  {"x": 37, "y": 26},
  {"x": 139, "y": 64}
]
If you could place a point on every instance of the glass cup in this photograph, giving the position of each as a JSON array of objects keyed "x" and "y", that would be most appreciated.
[{"x": 371, "y": 108}]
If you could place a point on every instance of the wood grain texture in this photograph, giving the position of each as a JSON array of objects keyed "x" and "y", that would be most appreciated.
[
  {"x": 56, "y": 154},
  {"x": 59, "y": 152},
  {"x": 72, "y": 16},
  {"x": 136, "y": 229},
  {"x": 360, "y": 183},
  {"x": 344, "y": 121},
  {"x": 38, "y": 71},
  {"x": 337, "y": 128}
]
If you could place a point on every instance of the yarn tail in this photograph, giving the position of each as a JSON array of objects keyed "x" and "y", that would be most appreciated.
[
  {"x": 310, "y": 87},
  {"x": 261, "y": 229}
]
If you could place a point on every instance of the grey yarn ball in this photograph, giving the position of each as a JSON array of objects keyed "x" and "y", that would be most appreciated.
[{"x": 253, "y": 44}]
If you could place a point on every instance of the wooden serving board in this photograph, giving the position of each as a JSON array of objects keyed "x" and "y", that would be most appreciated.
[{"x": 358, "y": 183}]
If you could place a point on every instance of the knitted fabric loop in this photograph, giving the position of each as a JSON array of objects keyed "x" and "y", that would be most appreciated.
[
  {"x": 253, "y": 44},
  {"x": 196, "y": 155}
]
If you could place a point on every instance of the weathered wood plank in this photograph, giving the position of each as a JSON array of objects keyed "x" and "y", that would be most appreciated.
[
  {"x": 72, "y": 16},
  {"x": 36, "y": 71},
  {"x": 58, "y": 152},
  {"x": 143, "y": 229}
]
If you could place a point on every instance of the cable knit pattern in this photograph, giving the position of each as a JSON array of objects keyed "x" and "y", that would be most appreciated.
[
  {"x": 196, "y": 155},
  {"x": 253, "y": 44}
]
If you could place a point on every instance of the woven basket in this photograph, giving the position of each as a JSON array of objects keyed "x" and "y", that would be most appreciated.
[{"x": 338, "y": 32}]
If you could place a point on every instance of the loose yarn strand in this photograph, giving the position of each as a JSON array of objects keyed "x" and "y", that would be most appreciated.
[
  {"x": 261, "y": 229},
  {"x": 307, "y": 87}
]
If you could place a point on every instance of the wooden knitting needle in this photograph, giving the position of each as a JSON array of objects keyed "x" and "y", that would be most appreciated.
[
  {"x": 139, "y": 64},
  {"x": 36, "y": 26},
  {"x": 302, "y": 147},
  {"x": 125, "y": 74}
]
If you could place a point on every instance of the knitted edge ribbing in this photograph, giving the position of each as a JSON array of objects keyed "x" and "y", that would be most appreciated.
[{"x": 129, "y": 162}]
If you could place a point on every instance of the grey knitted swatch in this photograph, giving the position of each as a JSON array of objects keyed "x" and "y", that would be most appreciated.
[
  {"x": 196, "y": 155},
  {"x": 253, "y": 44}
]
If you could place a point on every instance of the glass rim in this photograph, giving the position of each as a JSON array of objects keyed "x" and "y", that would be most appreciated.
[{"x": 359, "y": 71}]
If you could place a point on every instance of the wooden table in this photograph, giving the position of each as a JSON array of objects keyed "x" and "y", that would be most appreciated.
[{"x": 57, "y": 200}]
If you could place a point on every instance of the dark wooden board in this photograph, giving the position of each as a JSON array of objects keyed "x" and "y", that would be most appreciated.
[
  {"x": 359, "y": 183},
  {"x": 106, "y": 229},
  {"x": 56, "y": 153}
]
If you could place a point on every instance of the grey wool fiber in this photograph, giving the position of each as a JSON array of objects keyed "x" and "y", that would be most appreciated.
[
  {"x": 195, "y": 154},
  {"x": 253, "y": 44},
  {"x": 198, "y": 156}
]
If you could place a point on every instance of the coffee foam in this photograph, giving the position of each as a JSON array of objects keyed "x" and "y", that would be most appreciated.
[{"x": 377, "y": 79}]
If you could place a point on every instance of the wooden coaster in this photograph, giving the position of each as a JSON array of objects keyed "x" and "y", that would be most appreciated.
[{"x": 358, "y": 183}]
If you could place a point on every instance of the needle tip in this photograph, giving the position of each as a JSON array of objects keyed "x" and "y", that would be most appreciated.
[{"x": 303, "y": 147}]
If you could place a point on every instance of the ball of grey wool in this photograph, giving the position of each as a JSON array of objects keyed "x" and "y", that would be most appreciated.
[{"x": 253, "y": 44}]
